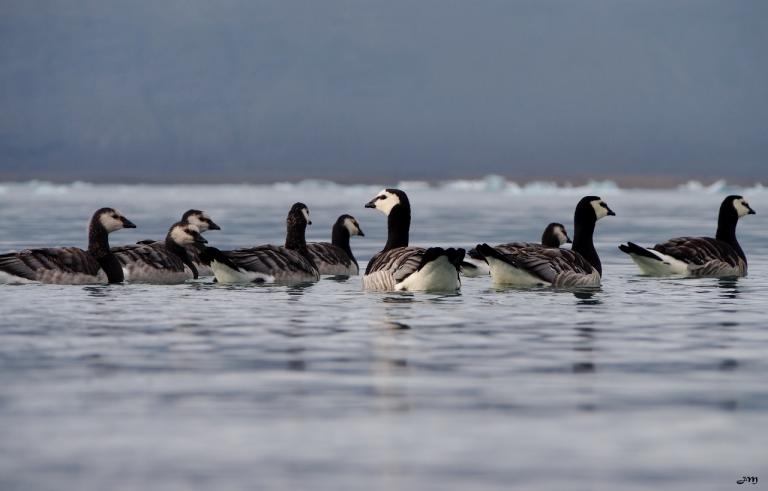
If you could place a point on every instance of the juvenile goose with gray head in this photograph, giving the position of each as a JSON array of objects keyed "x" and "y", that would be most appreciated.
[
  {"x": 554, "y": 235},
  {"x": 290, "y": 263},
  {"x": 698, "y": 256},
  {"x": 70, "y": 265},
  {"x": 336, "y": 258},
  {"x": 165, "y": 262},
  {"x": 530, "y": 266},
  {"x": 400, "y": 267},
  {"x": 203, "y": 222}
]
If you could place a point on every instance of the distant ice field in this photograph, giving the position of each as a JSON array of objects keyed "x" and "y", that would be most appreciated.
[{"x": 646, "y": 383}]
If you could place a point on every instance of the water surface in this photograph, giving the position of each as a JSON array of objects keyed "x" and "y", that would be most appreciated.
[{"x": 642, "y": 383}]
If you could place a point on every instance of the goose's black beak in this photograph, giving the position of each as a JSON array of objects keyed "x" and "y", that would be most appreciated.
[
  {"x": 212, "y": 225},
  {"x": 199, "y": 239},
  {"x": 751, "y": 211},
  {"x": 127, "y": 223},
  {"x": 610, "y": 212},
  {"x": 568, "y": 240},
  {"x": 309, "y": 222},
  {"x": 360, "y": 232},
  {"x": 371, "y": 204}
]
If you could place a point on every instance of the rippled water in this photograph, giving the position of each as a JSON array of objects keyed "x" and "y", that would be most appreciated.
[{"x": 645, "y": 383}]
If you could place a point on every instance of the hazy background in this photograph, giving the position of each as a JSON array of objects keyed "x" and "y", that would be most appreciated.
[{"x": 195, "y": 90}]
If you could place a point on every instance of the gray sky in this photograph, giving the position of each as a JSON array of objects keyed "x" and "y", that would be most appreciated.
[{"x": 350, "y": 90}]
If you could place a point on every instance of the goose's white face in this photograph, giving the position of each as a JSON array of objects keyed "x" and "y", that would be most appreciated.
[
  {"x": 561, "y": 235},
  {"x": 112, "y": 220},
  {"x": 305, "y": 212},
  {"x": 742, "y": 207},
  {"x": 352, "y": 226},
  {"x": 385, "y": 201},
  {"x": 199, "y": 220},
  {"x": 601, "y": 209},
  {"x": 185, "y": 235}
]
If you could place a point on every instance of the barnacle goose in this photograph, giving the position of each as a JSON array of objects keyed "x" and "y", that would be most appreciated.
[
  {"x": 554, "y": 236},
  {"x": 529, "y": 266},
  {"x": 268, "y": 263},
  {"x": 698, "y": 256},
  {"x": 162, "y": 262},
  {"x": 70, "y": 265},
  {"x": 203, "y": 222},
  {"x": 336, "y": 257},
  {"x": 399, "y": 267}
]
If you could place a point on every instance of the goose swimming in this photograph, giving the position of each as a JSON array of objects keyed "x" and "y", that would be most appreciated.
[
  {"x": 336, "y": 258},
  {"x": 70, "y": 265},
  {"x": 268, "y": 263},
  {"x": 165, "y": 262},
  {"x": 554, "y": 235},
  {"x": 530, "y": 266},
  {"x": 400, "y": 267},
  {"x": 698, "y": 256}
]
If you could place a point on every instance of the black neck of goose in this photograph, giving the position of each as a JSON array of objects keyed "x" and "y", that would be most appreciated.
[
  {"x": 726, "y": 229},
  {"x": 584, "y": 229},
  {"x": 98, "y": 247},
  {"x": 295, "y": 238},
  {"x": 398, "y": 226},
  {"x": 340, "y": 238},
  {"x": 182, "y": 254}
]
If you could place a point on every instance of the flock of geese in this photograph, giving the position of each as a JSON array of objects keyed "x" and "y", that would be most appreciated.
[{"x": 184, "y": 255}]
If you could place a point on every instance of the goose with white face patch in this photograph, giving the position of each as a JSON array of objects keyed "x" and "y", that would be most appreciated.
[
  {"x": 475, "y": 264},
  {"x": 532, "y": 266},
  {"x": 290, "y": 263},
  {"x": 698, "y": 256},
  {"x": 399, "y": 267},
  {"x": 336, "y": 258},
  {"x": 203, "y": 222},
  {"x": 165, "y": 262},
  {"x": 70, "y": 265}
]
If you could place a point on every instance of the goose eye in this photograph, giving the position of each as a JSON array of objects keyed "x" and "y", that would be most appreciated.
[
  {"x": 603, "y": 205},
  {"x": 115, "y": 217},
  {"x": 382, "y": 197}
]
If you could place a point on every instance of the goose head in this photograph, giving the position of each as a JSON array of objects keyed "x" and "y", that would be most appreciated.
[
  {"x": 200, "y": 219},
  {"x": 186, "y": 234},
  {"x": 739, "y": 204},
  {"x": 298, "y": 216},
  {"x": 110, "y": 219},
  {"x": 592, "y": 208},
  {"x": 387, "y": 199},
  {"x": 555, "y": 235},
  {"x": 350, "y": 223}
]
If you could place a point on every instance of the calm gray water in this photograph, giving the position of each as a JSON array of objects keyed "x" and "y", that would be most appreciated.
[{"x": 645, "y": 383}]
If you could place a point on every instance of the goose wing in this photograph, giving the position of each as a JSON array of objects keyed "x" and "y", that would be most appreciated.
[
  {"x": 555, "y": 266},
  {"x": 271, "y": 260},
  {"x": 400, "y": 262},
  {"x": 699, "y": 250},
  {"x": 327, "y": 253},
  {"x": 154, "y": 255},
  {"x": 50, "y": 264},
  {"x": 705, "y": 256}
]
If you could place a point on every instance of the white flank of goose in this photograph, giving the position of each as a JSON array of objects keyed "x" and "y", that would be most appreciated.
[
  {"x": 475, "y": 264},
  {"x": 165, "y": 262},
  {"x": 698, "y": 256},
  {"x": 336, "y": 258},
  {"x": 400, "y": 267},
  {"x": 290, "y": 263},
  {"x": 537, "y": 265},
  {"x": 70, "y": 265}
]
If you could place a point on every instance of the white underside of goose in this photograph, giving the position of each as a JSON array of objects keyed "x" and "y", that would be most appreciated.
[
  {"x": 665, "y": 266},
  {"x": 504, "y": 273},
  {"x": 437, "y": 275},
  {"x": 225, "y": 274}
]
